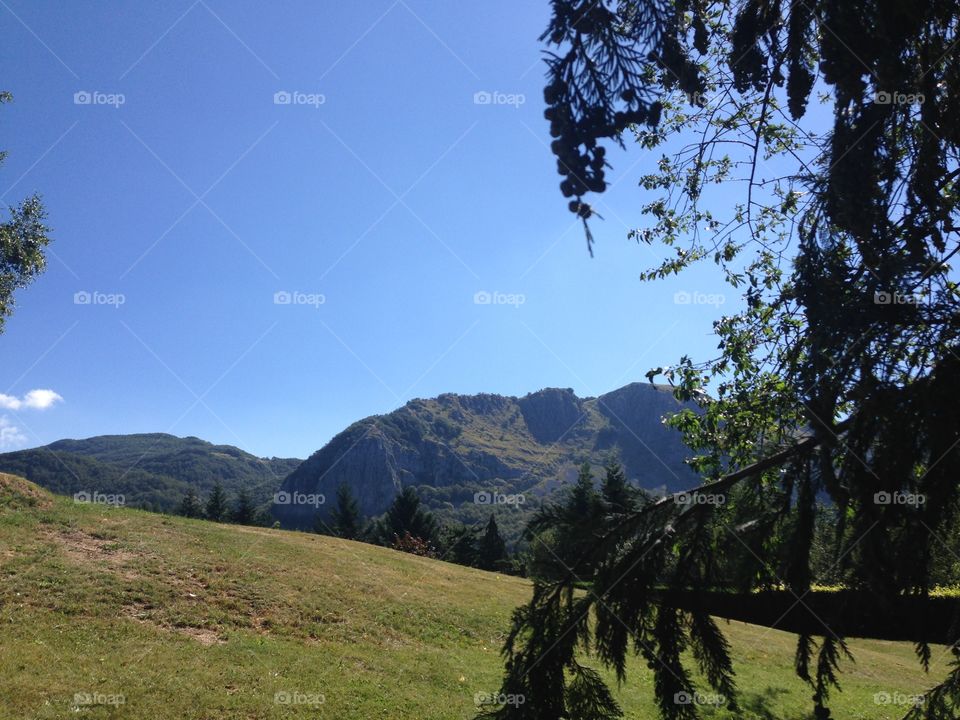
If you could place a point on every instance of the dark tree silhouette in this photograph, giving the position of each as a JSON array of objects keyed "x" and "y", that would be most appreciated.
[
  {"x": 216, "y": 508},
  {"x": 617, "y": 494},
  {"x": 190, "y": 505},
  {"x": 492, "y": 550},
  {"x": 244, "y": 512},
  {"x": 460, "y": 545},
  {"x": 346, "y": 520},
  {"x": 837, "y": 380},
  {"x": 406, "y": 516}
]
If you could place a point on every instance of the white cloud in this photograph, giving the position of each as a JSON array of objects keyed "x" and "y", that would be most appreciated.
[
  {"x": 10, "y": 435},
  {"x": 39, "y": 399}
]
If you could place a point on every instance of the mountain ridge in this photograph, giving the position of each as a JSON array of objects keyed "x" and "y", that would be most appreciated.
[
  {"x": 151, "y": 470},
  {"x": 452, "y": 446}
]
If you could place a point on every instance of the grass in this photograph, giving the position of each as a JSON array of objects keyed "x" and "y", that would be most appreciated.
[{"x": 189, "y": 619}]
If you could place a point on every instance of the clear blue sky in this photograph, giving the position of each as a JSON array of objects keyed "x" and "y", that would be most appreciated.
[{"x": 396, "y": 199}]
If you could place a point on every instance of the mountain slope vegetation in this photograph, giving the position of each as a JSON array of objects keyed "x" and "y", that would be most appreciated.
[
  {"x": 453, "y": 447},
  {"x": 151, "y": 470}
]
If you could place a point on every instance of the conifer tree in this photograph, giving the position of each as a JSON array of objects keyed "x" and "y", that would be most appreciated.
[{"x": 216, "y": 507}]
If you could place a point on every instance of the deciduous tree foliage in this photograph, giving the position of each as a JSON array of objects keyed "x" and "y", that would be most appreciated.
[
  {"x": 838, "y": 380},
  {"x": 23, "y": 237}
]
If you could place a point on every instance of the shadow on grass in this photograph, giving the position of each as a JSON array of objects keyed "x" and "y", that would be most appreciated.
[{"x": 759, "y": 706}]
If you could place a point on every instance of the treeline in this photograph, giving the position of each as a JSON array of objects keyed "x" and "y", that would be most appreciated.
[
  {"x": 407, "y": 526},
  {"x": 218, "y": 507},
  {"x": 555, "y": 538},
  {"x": 410, "y": 527},
  {"x": 557, "y": 535}
]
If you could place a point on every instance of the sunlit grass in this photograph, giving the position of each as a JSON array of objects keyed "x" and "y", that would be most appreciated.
[{"x": 188, "y": 619}]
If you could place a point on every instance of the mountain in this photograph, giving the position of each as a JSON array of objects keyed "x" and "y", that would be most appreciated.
[
  {"x": 454, "y": 446},
  {"x": 151, "y": 470}
]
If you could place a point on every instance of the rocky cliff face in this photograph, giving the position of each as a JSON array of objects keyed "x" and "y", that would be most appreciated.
[{"x": 453, "y": 446}]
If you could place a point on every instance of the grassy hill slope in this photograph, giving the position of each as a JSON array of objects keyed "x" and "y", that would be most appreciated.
[{"x": 188, "y": 619}]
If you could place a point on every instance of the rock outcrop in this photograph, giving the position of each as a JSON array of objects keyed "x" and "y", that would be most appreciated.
[{"x": 457, "y": 445}]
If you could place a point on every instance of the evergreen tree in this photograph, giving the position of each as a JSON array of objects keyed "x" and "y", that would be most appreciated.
[
  {"x": 618, "y": 495},
  {"x": 492, "y": 551},
  {"x": 561, "y": 533},
  {"x": 460, "y": 545},
  {"x": 405, "y": 516},
  {"x": 837, "y": 377},
  {"x": 582, "y": 511},
  {"x": 190, "y": 505},
  {"x": 345, "y": 519},
  {"x": 216, "y": 508},
  {"x": 244, "y": 512}
]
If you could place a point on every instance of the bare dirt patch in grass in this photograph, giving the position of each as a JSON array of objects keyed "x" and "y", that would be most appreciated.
[{"x": 85, "y": 549}]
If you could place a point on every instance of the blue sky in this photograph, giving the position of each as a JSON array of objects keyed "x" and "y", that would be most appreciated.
[{"x": 185, "y": 195}]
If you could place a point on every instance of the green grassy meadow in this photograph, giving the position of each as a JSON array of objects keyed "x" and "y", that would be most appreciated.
[{"x": 119, "y": 613}]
